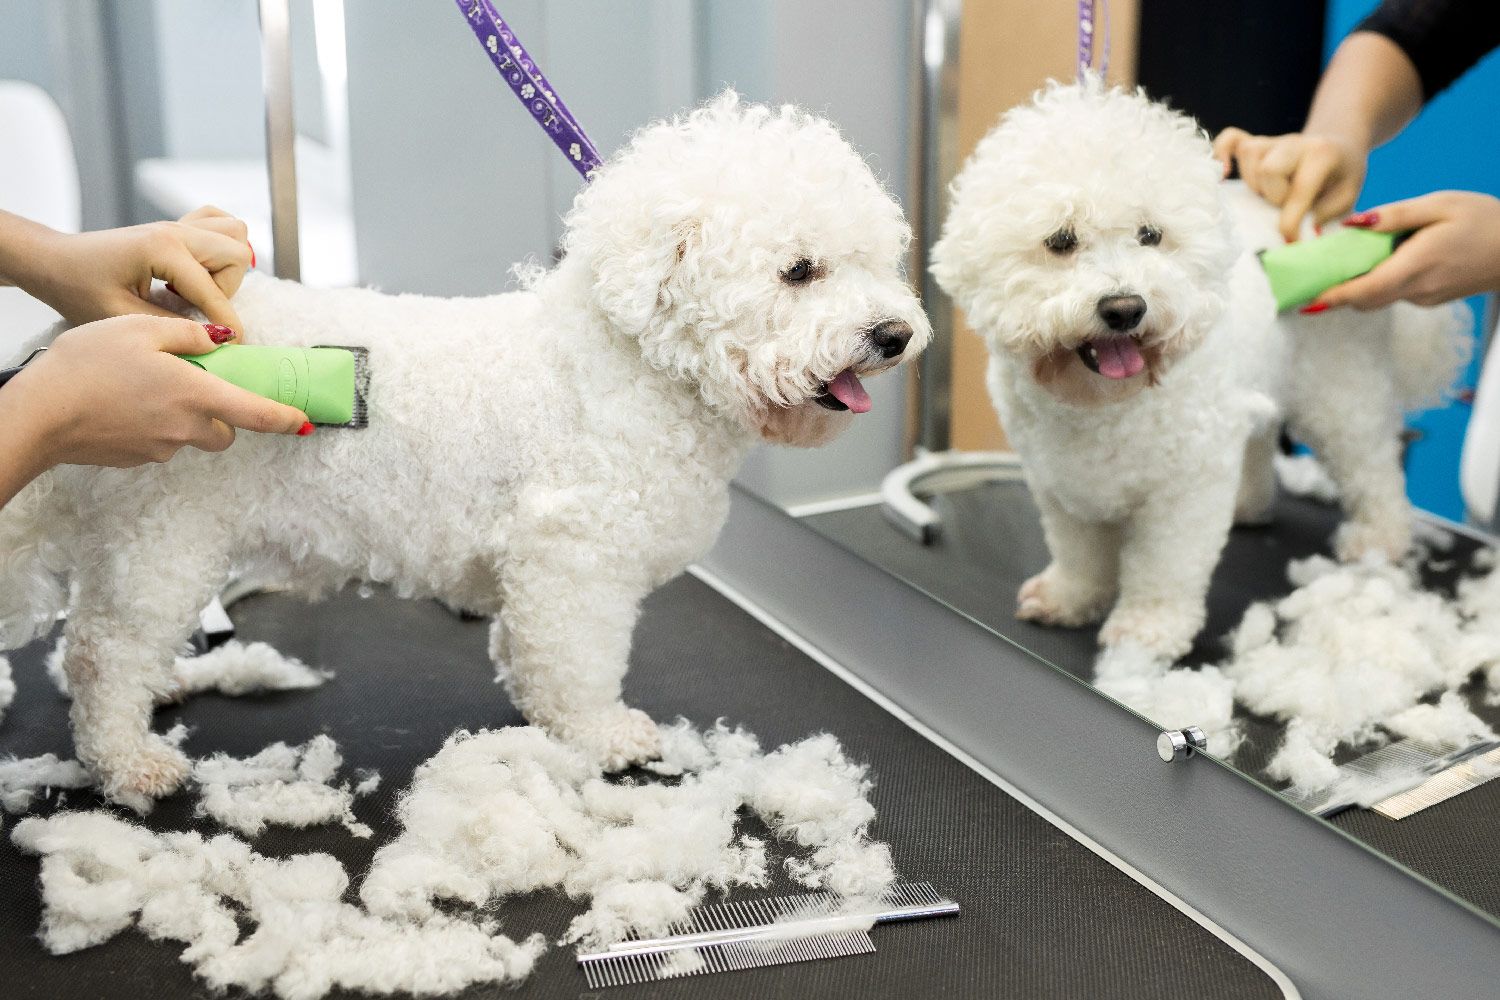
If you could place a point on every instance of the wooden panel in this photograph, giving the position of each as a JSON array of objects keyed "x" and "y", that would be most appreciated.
[{"x": 1007, "y": 49}]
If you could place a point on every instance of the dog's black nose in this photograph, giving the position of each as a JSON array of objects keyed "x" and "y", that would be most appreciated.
[
  {"x": 891, "y": 337},
  {"x": 1122, "y": 312}
]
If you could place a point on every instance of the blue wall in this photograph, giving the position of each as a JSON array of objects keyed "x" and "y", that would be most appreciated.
[{"x": 1453, "y": 144}]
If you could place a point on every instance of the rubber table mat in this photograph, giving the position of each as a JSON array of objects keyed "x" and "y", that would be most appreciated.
[
  {"x": 992, "y": 541},
  {"x": 1043, "y": 916}
]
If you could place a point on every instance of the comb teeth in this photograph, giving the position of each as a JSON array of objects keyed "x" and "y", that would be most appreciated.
[
  {"x": 1398, "y": 768},
  {"x": 361, "y": 418},
  {"x": 728, "y": 937},
  {"x": 1442, "y": 786}
]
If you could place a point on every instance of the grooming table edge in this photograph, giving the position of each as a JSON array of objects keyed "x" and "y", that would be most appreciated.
[{"x": 1286, "y": 889}]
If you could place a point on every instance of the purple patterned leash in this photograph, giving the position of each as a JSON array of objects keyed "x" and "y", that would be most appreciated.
[
  {"x": 521, "y": 72},
  {"x": 1086, "y": 37}
]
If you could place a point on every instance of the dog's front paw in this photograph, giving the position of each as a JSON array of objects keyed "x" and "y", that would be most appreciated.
[
  {"x": 615, "y": 738},
  {"x": 1356, "y": 541},
  {"x": 1053, "y": 598},
  {"x": 1164, "y": 629},
  {"x": 138, "y": 774}
]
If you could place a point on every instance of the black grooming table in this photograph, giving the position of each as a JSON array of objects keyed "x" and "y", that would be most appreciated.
[
  {"x": 1043, "y": 916},
  {"x": 992, "y": 541}
]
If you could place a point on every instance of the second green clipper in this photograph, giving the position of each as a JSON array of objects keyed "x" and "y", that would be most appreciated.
[{"x": 330, "y": 384}]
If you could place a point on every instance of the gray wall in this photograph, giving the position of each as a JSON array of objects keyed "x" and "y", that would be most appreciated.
[{"x": 453, "y": 183}]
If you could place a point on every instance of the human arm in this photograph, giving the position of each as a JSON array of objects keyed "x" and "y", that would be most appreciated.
[
  {"x": 91, "y": 276},
  {"x": 111, "y": 393},
  {"x": 1367, "y": 95},
  {"x": 1453, "y": 252}
]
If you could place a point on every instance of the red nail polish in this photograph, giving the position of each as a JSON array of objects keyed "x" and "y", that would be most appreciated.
[
  {"x": 1362, "y": 220},
  {"x": 252, "y": 254},
  {"x": 305, "y": 429},
  {"x": 171, "y": 288},
  {"x": 1317, "y": 229},
  {"x": 1313, "y": 307},
  {"x": 218, "y": 334}
]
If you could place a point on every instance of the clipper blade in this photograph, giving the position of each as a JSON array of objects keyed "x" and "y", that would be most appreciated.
[{"x": 361, "y": 418}]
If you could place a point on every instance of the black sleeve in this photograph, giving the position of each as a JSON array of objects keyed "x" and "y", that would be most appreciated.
[{"x": 1443, "y": 38}]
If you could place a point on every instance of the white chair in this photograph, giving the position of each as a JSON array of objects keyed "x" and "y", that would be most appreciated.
[{"x": 38, "y": 179}]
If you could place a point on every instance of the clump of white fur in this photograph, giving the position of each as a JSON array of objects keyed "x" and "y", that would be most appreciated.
[
  {"x": 101, "y": 875},
  {"x": 281, "y": 785},
  {"x": 1352, "y": 652},
  {"x": 493, "y": 814},
  {"x": 234, "y": 669},
  {"x": 643, "y": 853},
  {"x": 1173, "y": 699},
  {"x": 21, "y": 780}
]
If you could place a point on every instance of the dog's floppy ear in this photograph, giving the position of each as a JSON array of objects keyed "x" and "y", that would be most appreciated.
[{"x": 633, "y": 273}]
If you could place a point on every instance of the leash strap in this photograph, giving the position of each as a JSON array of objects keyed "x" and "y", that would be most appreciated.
[
  {"x": 1086, "y": 37},
  {"x": 531, "y": 87}
]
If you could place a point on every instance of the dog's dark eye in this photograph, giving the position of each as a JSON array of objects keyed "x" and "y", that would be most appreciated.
[
  {"x": 1149, "y": 236},
  {"x": 801, "y": 272},
  {"x": 1061, "y": 242}
]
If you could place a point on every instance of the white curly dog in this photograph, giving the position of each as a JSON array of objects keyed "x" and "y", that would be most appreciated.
[
  {"x": 1139, "y": 367},
  {"x": 547, "y": 457}
]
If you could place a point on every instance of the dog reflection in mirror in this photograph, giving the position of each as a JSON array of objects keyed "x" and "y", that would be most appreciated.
[{"x": 1140, "y": 369}]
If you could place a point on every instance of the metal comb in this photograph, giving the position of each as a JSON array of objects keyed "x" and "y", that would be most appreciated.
[
  {"x": 1442, "y": 786},
  {"x": 1410, "y": 759},
  {"x": 731, "y": 936}
]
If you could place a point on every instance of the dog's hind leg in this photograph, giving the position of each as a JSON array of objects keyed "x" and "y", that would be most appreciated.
[
  {"x": 564, "y": 634},
  {"x": 134, "y": 609},
  {"x": 1346, "y": 409},
  {"x": 1172, "y": 545},
  {"x": 1258, "y": 478},
  {"x": 1078, "y": 585}
]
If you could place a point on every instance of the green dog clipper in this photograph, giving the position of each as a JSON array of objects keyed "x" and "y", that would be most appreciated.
[
  {"x": 330, "y": 384},
  {"x": 1300, "y": 272}
]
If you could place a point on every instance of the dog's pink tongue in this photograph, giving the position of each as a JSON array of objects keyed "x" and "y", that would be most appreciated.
[
  {"x": 1119, "y": 357},
  {"x": 847, "y": 389}
]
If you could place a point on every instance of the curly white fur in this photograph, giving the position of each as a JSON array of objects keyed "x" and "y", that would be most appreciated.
[
  {"x": 1139, "y": 473},
  {"x": 281, "y": 785},
  {"x": 547, "y": 457},
  {"x": 493, "y": 814}
]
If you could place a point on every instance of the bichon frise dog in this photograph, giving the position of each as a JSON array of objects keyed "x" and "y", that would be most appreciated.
[
  {"x": 1139, "y": 367},
  {"x": 547, "y": 457}
]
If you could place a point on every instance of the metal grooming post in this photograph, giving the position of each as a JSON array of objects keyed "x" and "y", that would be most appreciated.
[
  {"x": 281, "y": 134},
  {"x": 935, "y": 26}
]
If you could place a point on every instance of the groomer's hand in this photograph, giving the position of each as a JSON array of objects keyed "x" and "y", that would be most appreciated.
[
  {"x": 92, "y": 276},
  {"x": 1300, "y": 172},
  {"x": 1453, "y": 253},
  {"x": 111, "y": 393}
]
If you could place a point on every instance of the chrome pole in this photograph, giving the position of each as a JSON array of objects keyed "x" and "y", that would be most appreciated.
[
  {"x": 935, "y": 143},
  {"x": 281, "y": 134}
]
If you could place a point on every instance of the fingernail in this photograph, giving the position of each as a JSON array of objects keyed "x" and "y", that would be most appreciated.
[
  {"x": 1313, "y": 307},
  {"x": 1362, "y": 220},
  {"x": 171, "y": 288},
  {"x": 252, "y": 254},
  {"x": 1317, "y": 229},
  {"x": 218, "y": 334},
  {"x": 305, "y": 429}
]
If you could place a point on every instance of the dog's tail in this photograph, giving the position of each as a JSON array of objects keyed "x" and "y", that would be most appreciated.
[
  {"x": 1430, "y": 345},
  {"x": 32, "y": 588}
]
